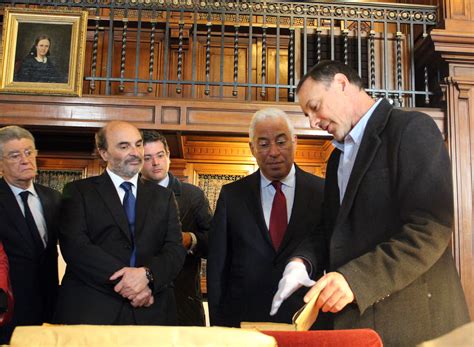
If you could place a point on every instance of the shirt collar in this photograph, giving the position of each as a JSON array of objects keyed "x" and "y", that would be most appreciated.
[
  {"x": 16, "y": 191},
  {"x": 357, "y": 132},
  {"x": 289, "y": 180},
  {"x": 117, "y": 180},
  {"x": 165, "y": 181}
]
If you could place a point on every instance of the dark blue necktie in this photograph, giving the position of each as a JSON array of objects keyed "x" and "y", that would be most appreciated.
[
  {"x": 129, "y": 206},
  {"x": 30, "y": 221}
]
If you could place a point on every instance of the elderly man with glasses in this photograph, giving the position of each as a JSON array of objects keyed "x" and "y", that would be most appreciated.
[{"x": 28, "y": 215}]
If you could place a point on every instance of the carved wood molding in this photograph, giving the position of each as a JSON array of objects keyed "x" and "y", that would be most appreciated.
[
  {"x": 455, "y": 46},
  {"x": 185, "y": 115},
  {"x": 163, "y": 114}
]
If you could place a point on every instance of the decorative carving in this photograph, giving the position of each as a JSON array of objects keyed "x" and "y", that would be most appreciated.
[
  {"x": 57, "y": 179},
  {"x": 211, "y": 184}
]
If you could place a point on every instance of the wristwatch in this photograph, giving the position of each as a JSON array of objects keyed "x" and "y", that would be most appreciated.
[{"x": 149, "y": 277}]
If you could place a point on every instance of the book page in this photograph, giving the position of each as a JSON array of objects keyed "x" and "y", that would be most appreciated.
[
  {"x": 270, "y": 326},
  {"x": 305, "y": 317}
]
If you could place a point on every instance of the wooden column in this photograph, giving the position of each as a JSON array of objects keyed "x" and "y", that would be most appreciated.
[{"x": 455, "y": 43}]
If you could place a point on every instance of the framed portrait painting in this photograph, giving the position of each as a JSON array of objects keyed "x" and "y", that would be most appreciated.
[{"x": 43, "y": 51}]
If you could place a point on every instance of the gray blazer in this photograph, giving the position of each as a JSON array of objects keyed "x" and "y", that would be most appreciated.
[{"x": 390, "y": 236}]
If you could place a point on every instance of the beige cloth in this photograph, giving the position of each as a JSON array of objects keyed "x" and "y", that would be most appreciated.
[
  {"x": 107, "y": 335},
  {"x": 460, "y": 337}
]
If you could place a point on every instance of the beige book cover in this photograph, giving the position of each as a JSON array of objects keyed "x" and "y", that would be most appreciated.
[{"x": 303, "y": 319}]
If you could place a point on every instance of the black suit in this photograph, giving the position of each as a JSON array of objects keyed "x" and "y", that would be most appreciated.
[
  {"x": 95, "y": 242},
  {"x": 195, "y": 216},
  {"x": 390, "y": 236},
  {"x": 243, "y": 267},
  {"x": 33, "y": 276}
]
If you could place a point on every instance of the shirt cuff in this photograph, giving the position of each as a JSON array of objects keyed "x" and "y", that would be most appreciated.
[{"x": 193, "y": 243}]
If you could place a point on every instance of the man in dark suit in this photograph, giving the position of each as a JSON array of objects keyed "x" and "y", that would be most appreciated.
[
  {"x": 388, "y": 211},
  {"x": 259, "y": 222},
  {"x": 121, "y": 239},
  {"x": 28, "y": 230},
  {"x": 195, "y": 215}
]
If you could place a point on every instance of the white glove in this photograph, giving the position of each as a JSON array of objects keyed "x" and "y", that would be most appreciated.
[{"x": 294, "y": 276}]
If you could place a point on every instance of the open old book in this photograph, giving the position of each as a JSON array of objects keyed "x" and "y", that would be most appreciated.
[{"x": 303, "y": 319}]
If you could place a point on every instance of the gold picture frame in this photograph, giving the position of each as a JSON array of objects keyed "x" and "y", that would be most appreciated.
[{"x": 43, "y": 51}]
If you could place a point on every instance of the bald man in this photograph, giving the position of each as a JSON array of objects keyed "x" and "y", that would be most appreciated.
[{"x": 121, "y": 239}]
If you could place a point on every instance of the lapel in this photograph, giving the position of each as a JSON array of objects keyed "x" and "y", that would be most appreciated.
[
  {"x": 109, "y": 196},
  {"x": 175, "y": 185},
  {"x": 368, "y": 148},
  {"x": 254, "y": 201},
  {"x": 13, "y": 212},
  {"x": 302, "y": 197},
  {"x": 144, "y": 196},
  {"x": 331, "y": 187}
]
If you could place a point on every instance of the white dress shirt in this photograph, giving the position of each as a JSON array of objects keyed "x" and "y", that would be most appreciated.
[
  {"x": 349, "y": 149},
  {"x": 267, "y": 193},
  {"x": 36, "y": 208},
  {"x": 117, "y": 181}
]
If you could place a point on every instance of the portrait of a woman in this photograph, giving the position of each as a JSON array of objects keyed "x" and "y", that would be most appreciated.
[{"x": 38, "y": 66}]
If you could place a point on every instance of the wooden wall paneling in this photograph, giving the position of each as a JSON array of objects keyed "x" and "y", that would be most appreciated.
[
  {"x": 88, "y": 164},
  {"x": 184, "y": 115},
  {"x": 460, "y": 96},
  {"x": 178, "y": 168},
  {"x": 57, "y": 169},
  {"x": 460, "y": 9},
  {"x": 272, "y": 72},
  {"x": 456, "y": 48}
]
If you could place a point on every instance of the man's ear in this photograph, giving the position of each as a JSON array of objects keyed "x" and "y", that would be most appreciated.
[
  {"x": 103, "y": 154},
  {"x": 252, "y": 149},
  {"x": 341, "y": 81}
]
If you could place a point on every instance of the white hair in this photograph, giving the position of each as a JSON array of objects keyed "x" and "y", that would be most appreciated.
[{"x": 269, "y": 113}]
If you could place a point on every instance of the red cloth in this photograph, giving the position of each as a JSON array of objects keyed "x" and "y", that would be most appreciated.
[
  {"x": 278, "y": 216},
  {"x": 5, "y": 285},
  {"x": 327, "y": 338}
]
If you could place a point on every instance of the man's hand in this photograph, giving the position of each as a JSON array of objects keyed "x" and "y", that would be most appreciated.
[
  {"x": 294, "y": 276},
  {"x": 143, "y": 299},
  {"x": 335, "y": 293},
  {"x": 187, "y": 240},
  {"x": 132, "y": 283}
]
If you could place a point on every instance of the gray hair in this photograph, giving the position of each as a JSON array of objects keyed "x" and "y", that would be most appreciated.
[
  {"x": 13, "y": 132},
  {"x": 269, "y": 113}
]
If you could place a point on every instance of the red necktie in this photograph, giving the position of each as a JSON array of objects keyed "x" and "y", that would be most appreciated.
[{"x": 278, "y": 216}]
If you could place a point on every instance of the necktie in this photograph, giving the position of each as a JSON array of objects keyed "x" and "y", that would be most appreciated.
[
  {"x": 30, "y": 221},
  {"x": 129, "y": 206},
  {"x": 278, "y": 216}
]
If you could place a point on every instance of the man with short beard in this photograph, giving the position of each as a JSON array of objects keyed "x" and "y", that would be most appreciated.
[{"x": 121, "y": 239}]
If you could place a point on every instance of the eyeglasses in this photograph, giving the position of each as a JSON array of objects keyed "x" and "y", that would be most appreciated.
[
  {"x": 264, "y": 146},
  {"x": 15, "y": 157}
]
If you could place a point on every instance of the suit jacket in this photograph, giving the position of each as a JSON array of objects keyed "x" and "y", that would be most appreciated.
[
  {"x": 95, "y": 242},
  {"x": 390, "y": 236},
  {"x": 195, "y": 215},
  {"x": 33, "y": 276},
  {"x": 243, "y": 267}
]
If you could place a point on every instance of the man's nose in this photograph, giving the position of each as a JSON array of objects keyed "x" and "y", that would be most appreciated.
[
  {"x": 274, "y": 149},
  {"x": 314, "y": 121},
  {"x": 136, "y": 151}
]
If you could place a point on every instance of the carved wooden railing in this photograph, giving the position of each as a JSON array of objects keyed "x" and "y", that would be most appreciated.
[{"x": 249, "y": 50}]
